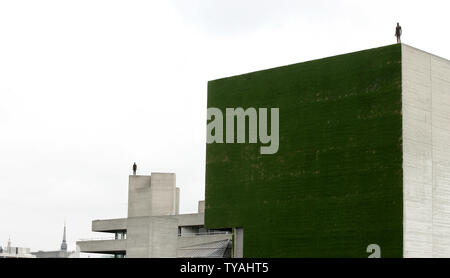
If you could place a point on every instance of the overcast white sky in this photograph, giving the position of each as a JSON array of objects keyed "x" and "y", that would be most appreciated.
[{"x": 89, "y": 87}]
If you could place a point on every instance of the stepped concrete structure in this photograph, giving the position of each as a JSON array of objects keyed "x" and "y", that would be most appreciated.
[
  {"x": 154, "y": 228},
  {"x": 363, "y": 166}
]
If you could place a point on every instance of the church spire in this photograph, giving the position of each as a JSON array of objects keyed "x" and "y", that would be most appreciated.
[{"x": 64, "y": 244}]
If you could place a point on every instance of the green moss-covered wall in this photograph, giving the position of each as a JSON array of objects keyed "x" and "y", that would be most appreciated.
[{"x": 335, "y": 185}]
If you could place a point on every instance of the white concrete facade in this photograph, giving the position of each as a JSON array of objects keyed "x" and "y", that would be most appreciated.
[
  {"x": 426, "y": 154},
  {"x": 238, "y": 243},
  {"x": 154, "y": 228},
  {"x": 153, "y": 195}
]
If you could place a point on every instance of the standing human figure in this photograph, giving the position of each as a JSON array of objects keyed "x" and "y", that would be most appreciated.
[
  {"x": 134, "y": 169},
  {"x": 398, "y": 32}
]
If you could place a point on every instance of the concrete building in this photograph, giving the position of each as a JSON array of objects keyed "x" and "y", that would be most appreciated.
[
  {"x": 154, "y": 228},
  {"x": 15, "y": 252},
  {"x": 426, "y": 154},
  {"x": 62, "y": 253},
  {"x": 363, "y": 160}
]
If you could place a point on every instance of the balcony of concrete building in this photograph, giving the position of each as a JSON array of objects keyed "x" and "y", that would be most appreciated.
[
  {"x": 109, "y": 225},
  {"x": 103, "y": 245}
]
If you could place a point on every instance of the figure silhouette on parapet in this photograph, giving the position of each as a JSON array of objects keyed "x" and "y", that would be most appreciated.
[
  {"x": 134, "y": 169},
  {"x": 398, "y": 32}
]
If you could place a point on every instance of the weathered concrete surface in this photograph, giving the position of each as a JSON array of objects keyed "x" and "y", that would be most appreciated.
[
  {"x": 163, "y": 194},
  {"x": 152, "y": 237},
  {"x": 109, "y": 225},
  {"x": 194, "y": 219},
  {"x": 177, "y": 202},
  {"x": 201, "y": 207},
  {"x": 139, "y": 196},
  {"x": 426, "y": 154},
  {"x": 102, "y": 246},
  {"x": 153, "y": 195},
  {"x": 238, "y": 243}
]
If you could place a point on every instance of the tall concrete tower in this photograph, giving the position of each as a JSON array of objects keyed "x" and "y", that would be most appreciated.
[
  {"x": 364, "y": 158},
  {"x": 64, "y": 244}
]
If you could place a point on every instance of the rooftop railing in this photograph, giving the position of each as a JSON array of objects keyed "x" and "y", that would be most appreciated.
[{"x": 99, "y": 238}]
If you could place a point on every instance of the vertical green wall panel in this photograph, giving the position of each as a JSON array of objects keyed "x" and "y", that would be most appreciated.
[{"x": 335, "y": 185}]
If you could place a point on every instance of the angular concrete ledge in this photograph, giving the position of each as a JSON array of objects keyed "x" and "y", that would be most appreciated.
[
  {"x": 196, "y": 219},
  {"x": 103, "y": 246},
  {"x": 109, "y": 225}
]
